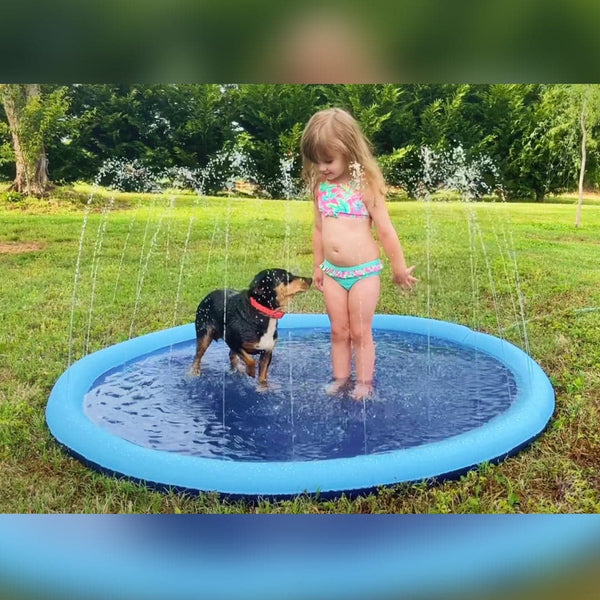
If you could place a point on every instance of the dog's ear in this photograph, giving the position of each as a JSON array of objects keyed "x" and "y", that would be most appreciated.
[{"x": 256, "y": 285}]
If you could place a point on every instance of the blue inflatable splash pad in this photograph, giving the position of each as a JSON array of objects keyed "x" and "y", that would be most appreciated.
[{"x": 447, "y": 399}]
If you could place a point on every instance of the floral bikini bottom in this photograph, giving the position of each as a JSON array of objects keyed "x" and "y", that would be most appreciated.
[{"x": 348, "y": 276}]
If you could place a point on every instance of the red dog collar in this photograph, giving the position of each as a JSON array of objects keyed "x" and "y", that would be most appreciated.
[{"x": 274, "y": 314}]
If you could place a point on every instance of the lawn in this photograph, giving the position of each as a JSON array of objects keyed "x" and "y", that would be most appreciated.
[{"x": 78, "y": 276}]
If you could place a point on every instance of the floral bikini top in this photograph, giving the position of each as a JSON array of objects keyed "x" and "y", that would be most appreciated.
[{"x": 340, "y": 200}]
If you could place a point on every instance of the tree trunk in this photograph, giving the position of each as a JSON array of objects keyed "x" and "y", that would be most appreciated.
[
  {"x": 31, "y": 168},
  {"x": 582, "y": 170}
]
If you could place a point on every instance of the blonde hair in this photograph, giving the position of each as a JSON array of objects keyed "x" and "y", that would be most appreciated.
[{"x": 334, "y": 130}]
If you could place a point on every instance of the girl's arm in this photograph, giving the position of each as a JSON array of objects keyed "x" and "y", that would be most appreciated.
[
  {"x": 401, "y": 274},
  {"x": 317, "y": 246}
]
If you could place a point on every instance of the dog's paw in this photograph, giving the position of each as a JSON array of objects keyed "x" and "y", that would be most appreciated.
[
  {"x": 263, "y": 386},
  {"x": 238, "y": 368},
  {"x": 195, "y": 371}
]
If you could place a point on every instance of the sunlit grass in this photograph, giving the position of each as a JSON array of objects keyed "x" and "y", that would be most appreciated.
[{"x": 520, "y": 271}]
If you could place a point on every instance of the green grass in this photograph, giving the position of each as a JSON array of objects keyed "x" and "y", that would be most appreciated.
[{"x": 519, "y": 271}]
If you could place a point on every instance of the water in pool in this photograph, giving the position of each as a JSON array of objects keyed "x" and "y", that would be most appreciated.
[{"x": 426, "y": 389}]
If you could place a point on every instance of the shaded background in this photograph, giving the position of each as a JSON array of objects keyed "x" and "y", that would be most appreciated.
[{"x": 238, "y": 41}]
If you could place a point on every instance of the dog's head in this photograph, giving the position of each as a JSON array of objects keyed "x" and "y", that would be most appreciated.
[{"x": 273, "y": 288}]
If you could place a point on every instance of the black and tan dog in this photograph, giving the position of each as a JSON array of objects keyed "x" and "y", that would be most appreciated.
[{"x": 247, "y": 319}]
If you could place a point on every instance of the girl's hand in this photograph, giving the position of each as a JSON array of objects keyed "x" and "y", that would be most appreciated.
[
  {"x": 318, "y": 278},
  {"x": 405, "y": 279}
]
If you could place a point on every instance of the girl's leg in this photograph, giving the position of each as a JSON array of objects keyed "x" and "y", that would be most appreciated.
[
  {"x": 336, "y": 303},
  {"x": 362, "y": 301}
]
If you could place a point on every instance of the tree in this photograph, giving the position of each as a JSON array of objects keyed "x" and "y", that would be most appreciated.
[
  {"x": 588, "y": 117},
  {"x": 32, "y": 118},
  {"x": 575, "y": 118},
  {"x": 513, "y": 134},
  {"x": 583, "y": 123},
  {"x": 159, "y": 126},
  {"x": 269, "y": 120},
  {"x": 371, "y": 104}
]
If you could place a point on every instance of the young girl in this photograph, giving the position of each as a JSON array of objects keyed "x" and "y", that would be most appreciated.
[{"x": 349, "y": 192}]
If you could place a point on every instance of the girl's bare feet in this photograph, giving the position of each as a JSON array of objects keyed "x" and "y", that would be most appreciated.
[
  {"x": 362, "y": 390},
  {"x": 337, "y": 386}
]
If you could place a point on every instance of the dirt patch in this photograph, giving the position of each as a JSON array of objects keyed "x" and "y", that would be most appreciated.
[{"x": 19, "y": 247}]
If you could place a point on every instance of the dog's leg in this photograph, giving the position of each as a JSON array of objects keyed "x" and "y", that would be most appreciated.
[
  {"x": 233, "y": 361},
  {"x": 202, "y": 343},
  {"x": 249, "y": 362},
  {"x": 263, "y": 366}
]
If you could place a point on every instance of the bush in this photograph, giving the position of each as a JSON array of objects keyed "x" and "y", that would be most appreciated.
[
  {"x": 68, "y": 193},
  {"x": 12, "y": 196},
  {"x": 128, "y": 176},
  {"x": 401, "y": 168}
]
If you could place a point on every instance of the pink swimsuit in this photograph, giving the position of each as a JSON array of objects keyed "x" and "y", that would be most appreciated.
[
  {"x": 340, "y": 200},
  {"x": 345, "y": 200}
]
